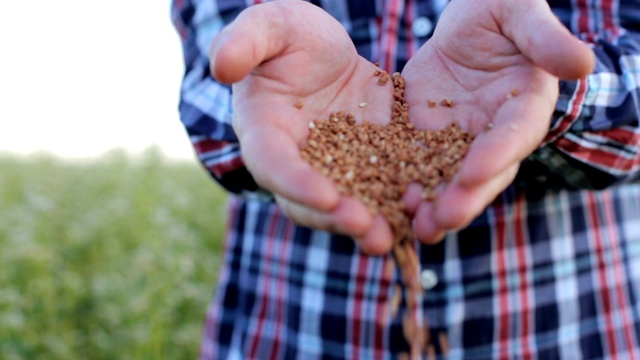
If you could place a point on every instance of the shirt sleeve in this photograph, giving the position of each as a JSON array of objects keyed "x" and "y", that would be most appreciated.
[
  {"x": 594, "y": 139},
  {"x": 205, "y": 105}
]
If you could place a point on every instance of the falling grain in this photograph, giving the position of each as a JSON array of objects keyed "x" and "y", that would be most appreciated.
[{"x": 375, "y": 164}]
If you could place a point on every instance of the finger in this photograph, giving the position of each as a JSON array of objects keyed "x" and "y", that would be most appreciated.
[
  {"x": 350, "y": 218},
  {"x": 457, "y": 206},
  {"x": 541, "y": 37},
  {"x": 378, "y": 239},
  {"x": 256, "y": 35},
  {"x": 275, "y": 163},
  {"x": 520, "y": 126},
  {"x": 424, "y": 226},
  {"x": 412, "y": 198}
]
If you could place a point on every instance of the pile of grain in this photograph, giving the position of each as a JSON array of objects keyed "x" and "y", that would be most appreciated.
[{"x": 376, "y": 163}]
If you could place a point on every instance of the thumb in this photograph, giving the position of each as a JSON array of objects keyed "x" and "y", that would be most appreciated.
[
  {"x": 542, "y": 38},
  {"x": 256, "y": 35}
]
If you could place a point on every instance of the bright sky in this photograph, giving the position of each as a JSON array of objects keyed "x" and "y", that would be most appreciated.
[{"x": 78, "y": 77}]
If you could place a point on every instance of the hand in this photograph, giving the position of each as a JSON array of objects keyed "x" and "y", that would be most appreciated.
[
  {"x": 499, "y": 61},
  {"x": 280, "y": 53}
]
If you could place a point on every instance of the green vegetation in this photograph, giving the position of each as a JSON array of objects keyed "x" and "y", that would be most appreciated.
[{"x": 113, "y": 258}]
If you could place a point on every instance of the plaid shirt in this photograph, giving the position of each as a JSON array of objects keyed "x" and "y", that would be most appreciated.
[{"x": 551, "y": 269}]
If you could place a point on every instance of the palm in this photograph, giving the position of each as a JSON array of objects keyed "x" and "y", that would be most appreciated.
[
  {"x": 498, "y": 73},
  {"x": 493, "y": 88},
  {"x": 284, "y": 94},
  {"x": 273, "y": 113},
  {"x": 315, "y": 67},
  {"x": 479, "y": 94},
  {"x": 302, "y": 65}
]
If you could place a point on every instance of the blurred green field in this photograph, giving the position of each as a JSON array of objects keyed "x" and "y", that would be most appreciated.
[{"x": 113, "y": 258}]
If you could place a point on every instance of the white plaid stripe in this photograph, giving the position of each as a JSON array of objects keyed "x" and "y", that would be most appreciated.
[
  {"x": 605, "y": 89},
  {"x": 207, "y": 96},
  {"x": 313, "y": 298},
  {"x": 564, "y": 271}
]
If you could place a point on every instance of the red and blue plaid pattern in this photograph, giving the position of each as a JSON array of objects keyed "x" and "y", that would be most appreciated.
[{"x": 550, "y": 270}]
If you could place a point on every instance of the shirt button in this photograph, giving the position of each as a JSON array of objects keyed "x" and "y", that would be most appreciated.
[
  {"x": 422, "y": 26},
  {"x": 428, "y": 279}
]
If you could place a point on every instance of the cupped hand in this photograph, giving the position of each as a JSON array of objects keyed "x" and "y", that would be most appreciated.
[
  {"x": 499, "y": 62},
  {"x": 290, "y": 63}
]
